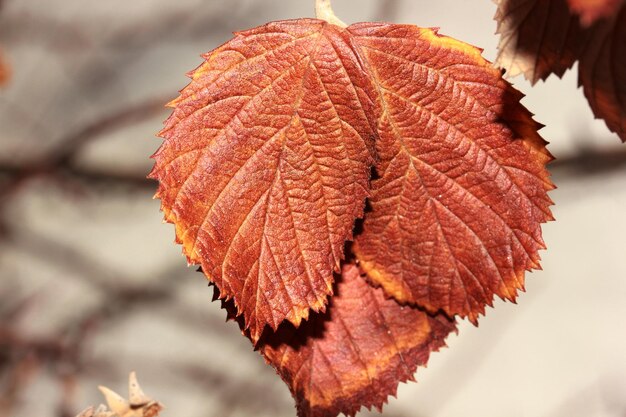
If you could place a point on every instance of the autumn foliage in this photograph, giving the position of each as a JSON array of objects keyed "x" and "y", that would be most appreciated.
[
  {"x": 356, "y": 352},
  {"x": 274, "y": 148},
  {"x": 543, "y": 37}
]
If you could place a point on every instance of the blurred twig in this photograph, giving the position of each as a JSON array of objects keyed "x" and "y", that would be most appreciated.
[
  {"x": 585, "y": 162},
  {"x": 61, "y": 160},
  {"x": 64, "y": 352}
]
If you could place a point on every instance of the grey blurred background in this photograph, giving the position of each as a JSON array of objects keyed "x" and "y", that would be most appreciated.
[{"x": 93, "y": 287}]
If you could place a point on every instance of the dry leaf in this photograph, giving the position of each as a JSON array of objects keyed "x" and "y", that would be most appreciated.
[
  {"x": 541, "y": 37},
  {"x": 357, "y": 353},
  {"x": 456, "y": 212},
  {"x": 263, "y": 169},
  {"x": 265, "y": 166}
]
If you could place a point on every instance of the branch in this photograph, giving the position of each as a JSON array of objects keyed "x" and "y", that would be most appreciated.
[{"x": 61, "y": 158}]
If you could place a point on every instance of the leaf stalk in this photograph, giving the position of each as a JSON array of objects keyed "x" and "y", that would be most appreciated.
[{"x": 324, "y": 11}]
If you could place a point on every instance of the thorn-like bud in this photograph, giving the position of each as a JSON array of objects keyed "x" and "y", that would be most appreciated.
[
  {"x": 138, "y": 404},
  {"x": 116, "y": 403},
  {"x": 136, "y": 396}
]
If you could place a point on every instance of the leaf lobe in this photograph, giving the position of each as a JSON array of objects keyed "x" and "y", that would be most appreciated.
[
  {"x": 456, "y": 213},
  {"x": 265, "y": 166}
]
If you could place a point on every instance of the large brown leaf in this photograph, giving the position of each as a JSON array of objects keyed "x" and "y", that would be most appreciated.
[
  {"x": 357, "y": 353},
  {"x": 462, "y": 192},
  {"x": 541, "y": 37},
  {"x": 265, "y": 166},
  {"x": 264, "y": 169}
]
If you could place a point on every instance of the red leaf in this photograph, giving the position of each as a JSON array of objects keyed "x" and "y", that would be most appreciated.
[
  {"x": 534, "y": 35},
  {"x": 357, "y": 353},
  {"x": 457, "y": 209},
  {"x": 264, "y": 170},
  {"x": 265, "y": 166},
  {"x": 541, "y": 37}
]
